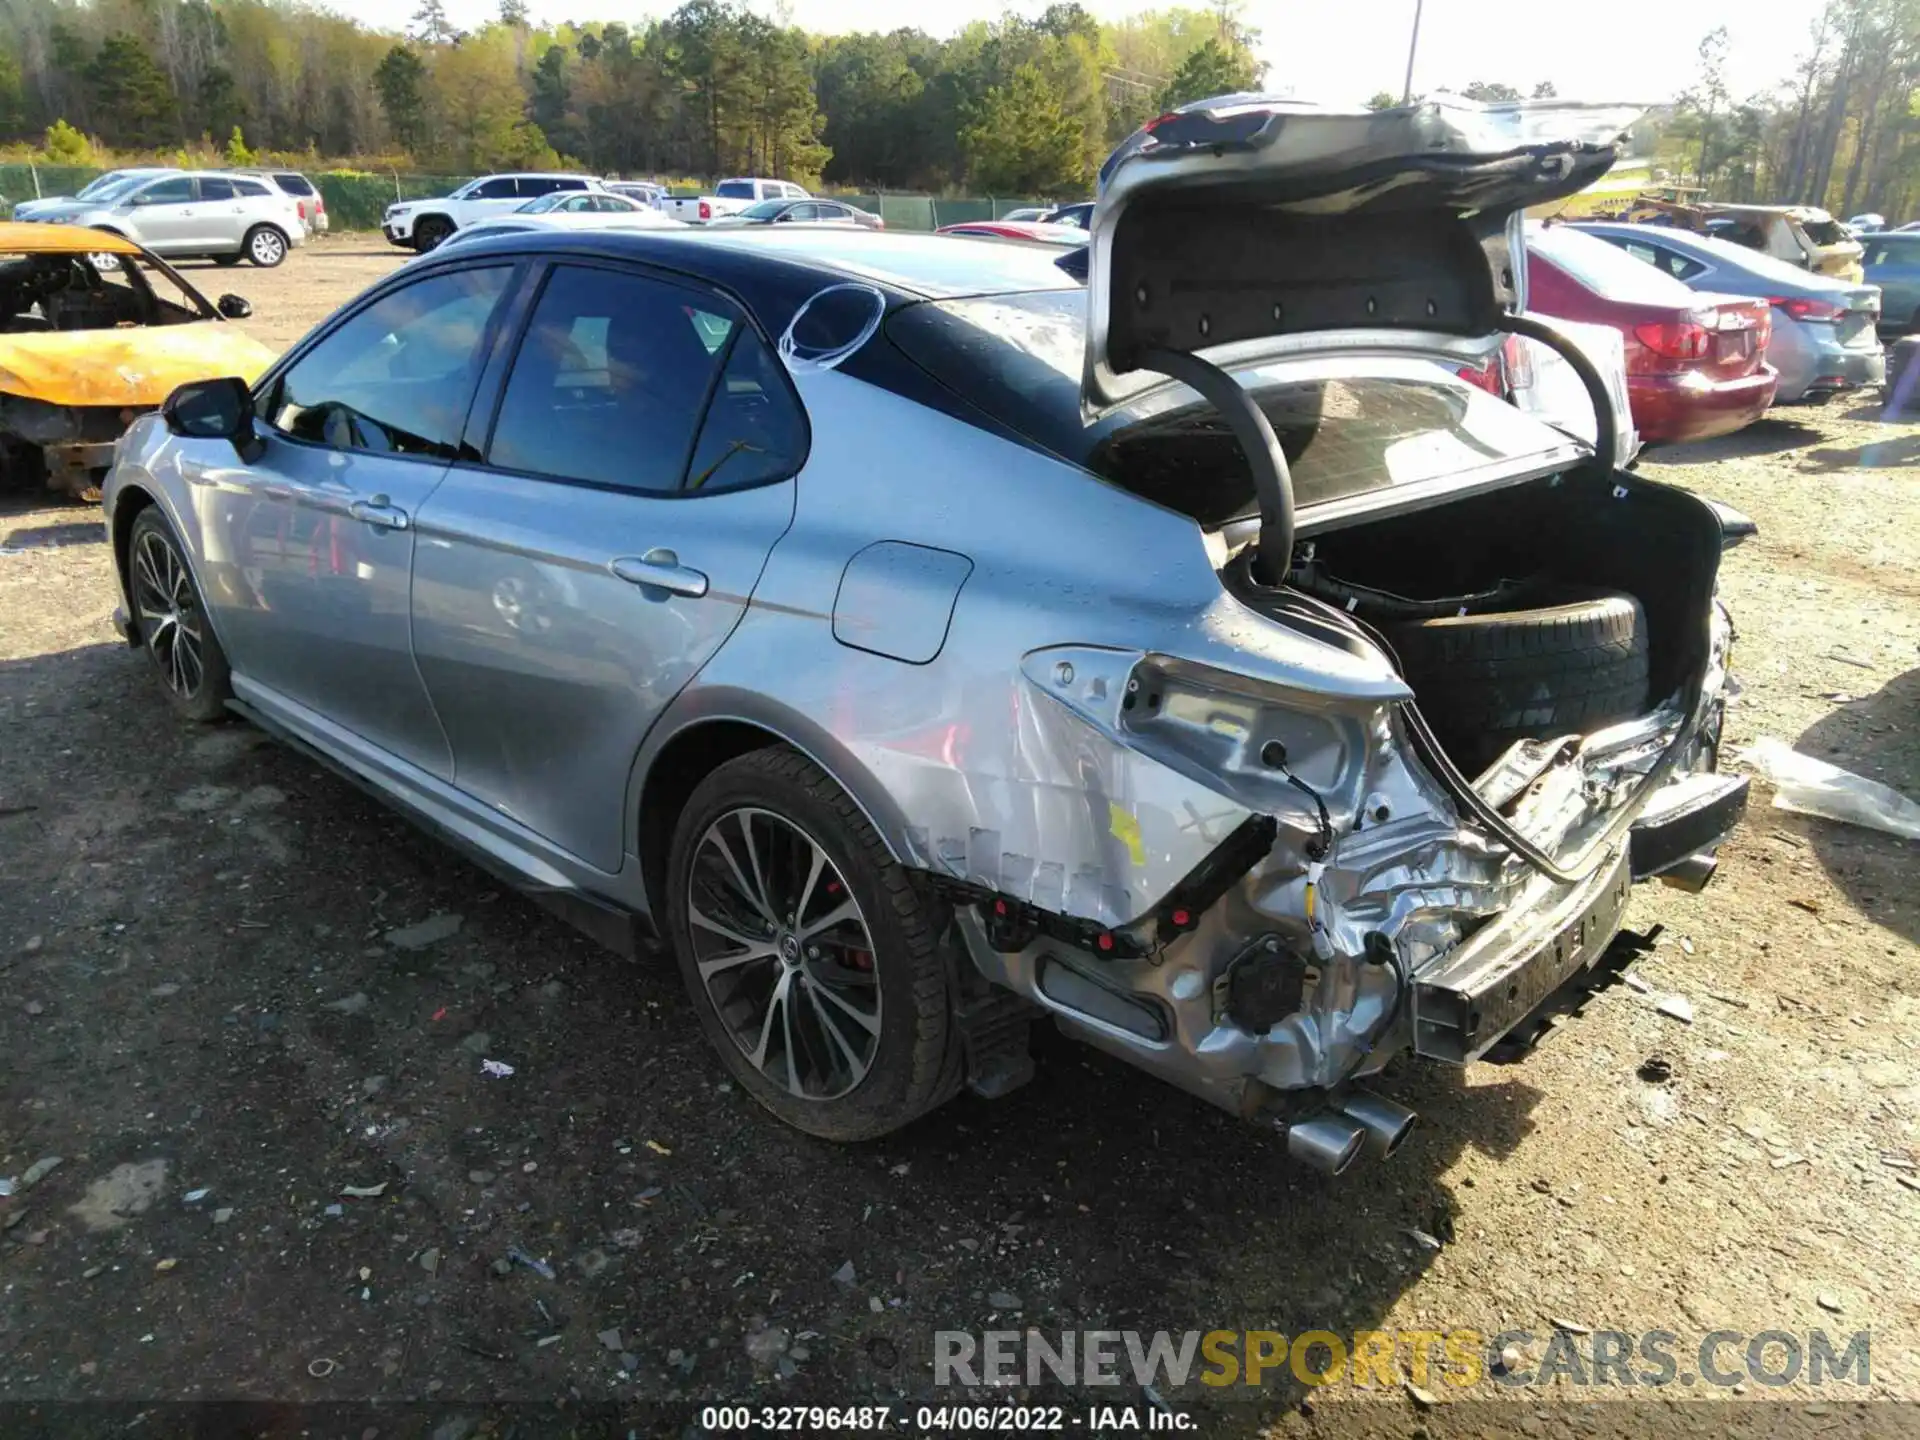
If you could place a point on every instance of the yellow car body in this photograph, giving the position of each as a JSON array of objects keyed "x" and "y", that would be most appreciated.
[{"x": 68, "y": 390}]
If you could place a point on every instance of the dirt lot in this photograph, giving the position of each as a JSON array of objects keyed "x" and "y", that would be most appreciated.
[{"x": 205, "y": 1014}]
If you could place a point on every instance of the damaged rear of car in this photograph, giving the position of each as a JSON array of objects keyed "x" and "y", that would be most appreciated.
[{"x": 1487, "y": 693}]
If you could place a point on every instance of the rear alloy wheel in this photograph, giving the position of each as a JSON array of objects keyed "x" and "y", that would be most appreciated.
[
  {"x": 266, "y": 246},
  {"x": 428, "y": 233},
  {"x": 808, "y": 952},
  {"x": 171, "y": 621}
]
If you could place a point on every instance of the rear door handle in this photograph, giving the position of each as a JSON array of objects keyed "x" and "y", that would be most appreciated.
[
  {"x": 381, "y": 512},
  {"x": 660, "y": 569}
]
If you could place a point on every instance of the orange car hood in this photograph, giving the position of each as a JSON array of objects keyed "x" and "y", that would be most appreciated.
[{"x": 134, "y": 365}]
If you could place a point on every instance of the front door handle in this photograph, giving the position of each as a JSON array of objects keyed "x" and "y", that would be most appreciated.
[
  {"x": 381, "y": 512},
  {"x": 660, "y": 569}
]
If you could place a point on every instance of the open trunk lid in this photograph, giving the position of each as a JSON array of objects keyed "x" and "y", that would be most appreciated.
[{"x": 1236, "y": 221}]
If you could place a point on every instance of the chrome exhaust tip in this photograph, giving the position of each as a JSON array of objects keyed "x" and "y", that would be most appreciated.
[
  {"x": 1328, "y": 1142},
  {"x": 1386, "y": 1125}
]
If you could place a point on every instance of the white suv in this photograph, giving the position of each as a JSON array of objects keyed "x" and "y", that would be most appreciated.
[
  {"x": 211, "y": 213},
  {"x": 423, "y": 224}
]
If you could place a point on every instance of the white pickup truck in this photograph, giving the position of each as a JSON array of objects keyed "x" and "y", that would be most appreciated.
[
  {"x": 423, "y": 224},
  {"x": 729, "y": 198}
]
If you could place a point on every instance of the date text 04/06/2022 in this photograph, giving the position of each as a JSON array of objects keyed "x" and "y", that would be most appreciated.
[{"x": 942, "y": 1419}]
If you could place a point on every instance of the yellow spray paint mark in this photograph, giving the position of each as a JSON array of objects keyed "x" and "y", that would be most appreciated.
[{"x": 1126, "y": 830}]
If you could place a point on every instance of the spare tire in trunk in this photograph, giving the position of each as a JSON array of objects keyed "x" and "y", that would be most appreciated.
[{"x": 1485, "y": 681}]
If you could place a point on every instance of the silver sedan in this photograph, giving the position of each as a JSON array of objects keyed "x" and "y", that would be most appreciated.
[{"x": 923, "y": 641}]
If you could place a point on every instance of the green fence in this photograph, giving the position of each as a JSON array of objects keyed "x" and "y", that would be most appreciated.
[{"x": 356, "y": 199}]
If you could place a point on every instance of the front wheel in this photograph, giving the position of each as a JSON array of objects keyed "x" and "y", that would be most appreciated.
[
  {"x": 265, "y": 246},
  {"x": 810, "y": 955},
  {"x": 428, "y": 233},
  {"x": 172, "y": 621}
]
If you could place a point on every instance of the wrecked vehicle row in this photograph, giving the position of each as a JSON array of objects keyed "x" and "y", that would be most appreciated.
[{"x": 924, "y": 641}]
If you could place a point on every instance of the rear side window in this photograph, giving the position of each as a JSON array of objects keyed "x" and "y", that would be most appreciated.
[
  {"x": 250, "y": 187},
  {"x": 1608, "y": 272},
  {"x": 213, "y": 187},
  {"x": 562, "y": 183},
  {"x": 610, "y": 381},
  {"x": 754, "y": 431},
  {"x": 396, "y": 377},
  {"x": 293, "y": 184}
]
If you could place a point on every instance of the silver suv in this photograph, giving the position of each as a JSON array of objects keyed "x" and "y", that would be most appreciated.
[{"x": 193, "y": 214}]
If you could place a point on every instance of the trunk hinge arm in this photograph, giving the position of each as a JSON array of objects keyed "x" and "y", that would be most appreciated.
[
  {"x": 1272, "y": 480},
  {"x": 1606, "y": 432}
]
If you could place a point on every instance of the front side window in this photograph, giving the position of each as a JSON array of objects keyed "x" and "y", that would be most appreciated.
[
  {"x": 498, "y": 188},
  {"x": 610, "y": 381},
  {"x": 396, "y": 377},
  {"x": 177, "y": 191}
]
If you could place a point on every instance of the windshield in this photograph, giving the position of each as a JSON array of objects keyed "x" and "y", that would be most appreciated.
[
  {"x": 41, "y": 292},
  {"x": 546, "y": 202},
  {"x": 765, "y": 210},
  {"x": 107, "y": 189},
  {"x": 102, "y": 185},
  {"x": 1349, "y": 426},
  {"x": 735, "y": 190},
  {"x": 1604, "y": 269}
]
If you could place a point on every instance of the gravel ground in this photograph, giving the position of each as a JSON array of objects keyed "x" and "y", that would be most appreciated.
[{"x": 207, "y": 1014}]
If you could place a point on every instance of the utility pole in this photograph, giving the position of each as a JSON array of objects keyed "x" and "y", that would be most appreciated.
[{"x": 1413, "y": 46}]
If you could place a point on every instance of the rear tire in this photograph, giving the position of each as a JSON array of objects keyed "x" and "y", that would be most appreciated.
[
  {"x": 265, "y": 246},
  {"x": 171, "y": 621},
  {"x": 769, "y": 847},
  {"x": 1485, "y": 681}
]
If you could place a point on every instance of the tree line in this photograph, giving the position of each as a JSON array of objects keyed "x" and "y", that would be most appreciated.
[
  {"x": 1014, "y": 106},
  {"x": 1841, "y": 132}
]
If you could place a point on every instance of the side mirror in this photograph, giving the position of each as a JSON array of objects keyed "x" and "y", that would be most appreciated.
[
  {"x": 233, "y": 307},
  {"x": 214, "y": 410}
]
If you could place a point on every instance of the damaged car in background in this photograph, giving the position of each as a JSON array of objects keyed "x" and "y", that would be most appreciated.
[
  {"x": 94, "y": 331},
  {"x": 923, "y": 644}
]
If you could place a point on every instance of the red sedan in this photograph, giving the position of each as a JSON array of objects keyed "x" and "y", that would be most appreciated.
[
  {"x": 1017, "y": 230},
  {"x": 1696, "y": 363}
]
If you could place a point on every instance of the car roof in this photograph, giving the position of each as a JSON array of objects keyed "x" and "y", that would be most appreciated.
[
  {"x": 20, "y": 237},
  {"x": 909, "y": 265},
  {"x": 1755, "y": 263}
]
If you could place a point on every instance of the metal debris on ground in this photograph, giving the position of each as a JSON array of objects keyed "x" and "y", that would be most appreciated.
[
  {"x": 194, "y": 1197},
  {"x": 499, "y": 1069},
  {"x": 350, "y": 1005},
  {"x": 611, "y": 1339},
  {"x": 844, "y": 1275},
  {"x": 39, "y": 1171},
  {"x": 1677, "y": 1007},
  {"x": 658, "y": 1148},
  {"x": 1827, "y": 1300},
  {"x": 430, "y": 931},
  {"x": 1572, "y": 1327},
  {"x": 322, "y": 1367},
  {"x": 1420, "y": 1237},
  {"x": 1003, "y": 1300},
  {"x": 430, "y": 1260},
  {"x": 539, "y": 1267},
  {"x": 364, "y": 1192},
  {"x": 1655, "y": 1070}
]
